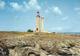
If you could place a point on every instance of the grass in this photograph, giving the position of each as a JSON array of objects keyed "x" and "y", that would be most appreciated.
[{"x": 37, "y": 35}]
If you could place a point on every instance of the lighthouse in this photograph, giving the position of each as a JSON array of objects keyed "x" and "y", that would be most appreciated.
[
  {"x": 42, "y": 24},
  {"x": 39, "y": 23}
]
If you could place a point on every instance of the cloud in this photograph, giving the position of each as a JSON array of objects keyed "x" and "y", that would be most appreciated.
[
  {"x": 79, "y": 13},
  {"x": 25, "y": 5},
  {"x": 61, "y": 28},
  {"x": 16, "y": 6},
  {"x": 57, "y": 29},
  {"x": 34, "y": 4},
  {"x": 65, "y": 18},
  {"x": 54, "y": 9},
  {"x": 31, "y": 5},
  {"x": 2, "y": 4},
  {"x": 46, "y": 11},
  {"x": 57, "y": 10},
  {"x": 77, "y": 10}
]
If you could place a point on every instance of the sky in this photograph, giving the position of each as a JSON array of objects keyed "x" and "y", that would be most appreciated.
[{"x": 59, "y": 15}]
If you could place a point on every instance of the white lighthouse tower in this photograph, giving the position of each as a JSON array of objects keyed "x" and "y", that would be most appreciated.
[
  {"x": 39, "y": 23},
  {"x": 42, "y": 24}
]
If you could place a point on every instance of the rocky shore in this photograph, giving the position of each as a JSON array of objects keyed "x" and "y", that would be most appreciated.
[{"x": 39, "y": 47}]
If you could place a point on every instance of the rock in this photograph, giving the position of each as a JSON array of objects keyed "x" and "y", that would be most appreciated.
[
  {"x": 29, "y": 52},
  {"x": 36, "y": 47},
  {"x": 75, "y": 51},
  {"x": 3, "y": 50}
]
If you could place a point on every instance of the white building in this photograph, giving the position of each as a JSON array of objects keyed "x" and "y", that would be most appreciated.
[{"x": 39, "y": 23}]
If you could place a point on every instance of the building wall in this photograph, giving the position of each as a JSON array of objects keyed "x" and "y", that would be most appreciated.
[
  {"x": 42, "y": 24},
  {"x": 39, "y": 23}
]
